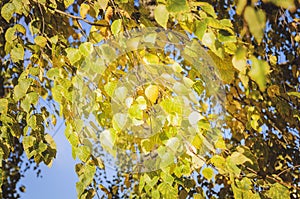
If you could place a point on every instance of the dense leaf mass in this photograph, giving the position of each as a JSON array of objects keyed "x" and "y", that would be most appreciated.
[{"x": 255, "y": 45}]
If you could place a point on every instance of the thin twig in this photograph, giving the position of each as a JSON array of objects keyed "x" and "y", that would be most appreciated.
[{"x": 78, "y": 18}]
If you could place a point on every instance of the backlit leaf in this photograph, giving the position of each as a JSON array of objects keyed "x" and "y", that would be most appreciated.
[
  {"x": 208, "y": 173},
  {"x": 161, "y": 15},
  {"x": 152, "y": 93}
]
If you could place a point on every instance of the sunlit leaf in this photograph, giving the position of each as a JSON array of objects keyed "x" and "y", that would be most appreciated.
[
  {"x": 161, "y": 15},
  {"x": 7, "y": 11},
  {"x": 208, "y": 173}
]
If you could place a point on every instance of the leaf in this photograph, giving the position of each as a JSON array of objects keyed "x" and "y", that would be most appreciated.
[
  {"x": 259, "y": 71},
  {"x": 209, "y": 39},
  {"x": 152, "y": 93},
  {"x": 296, "y": 94},
  {"x": 240, "y": 6},
  {"x": 278, "y": 191},
  {"x": 50, "y": 141},
  {"x": 116, "y": 26},
  {"x": 107, "y": 140},
  {"x": 41, "y": 41},
  {"x": 67, "y": 3},
  {"x": 3, "y": 106},
  {"x": 239, "y": 60},
  {"x": 201, "y": 27},
  {"x": 86, "y": 49},
  {"x": 110, "y": 88},
  {"x": 119, "y": 121},
  {"x": 256, "y": 21},
  {"x": 168, "y": 191},
  {"x": 208, "y": 173},
  {"x": 21, "y": 89},
  {"x": 238, "y": 158},
  {"x": 17, "y": 53},
  {"x": 84, "y": 8},
  {"x": 161, "y": 15},
  {"x": 73, "y": 55},
  {"x": 177, "y": 6},
  {"x": 7, "y": 11},
  {"x": 83, "y": 153},
  {"x": 209, "y": 9},
  {"x": 103, "y": 4}
]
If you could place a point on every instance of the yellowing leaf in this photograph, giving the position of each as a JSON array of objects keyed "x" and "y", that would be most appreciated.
[
  {"x": 3, "y": 106},
  {"x": 239, "y": 60},
  {"x": 240, "y": 6},
  {"x": 7, "y": 11},
  {"x": 152, "y": 93},
  {"x": 208, "y": 173},
  {"x": 84, "y": 8},
  {"x": 67, "y": 3},
  {"x": 161, "y": 15},
  {"x": 116, "y": 26},
  {"x": 41, "y": 41},
  {"x": 17, "y": 53},
  {"x": 73, "y": 55},
  {"x": 83, "y": 153},
  {"x": 278, "y": 191},
  {"x": 256, "y": 21},
  {"x": 86, "y": 49},
  {"x": 103, "y": 4},
  {"x": 259, "y": 71},
  {"x": 177, "y": 5},
  {"x": 201, "y": 27}
]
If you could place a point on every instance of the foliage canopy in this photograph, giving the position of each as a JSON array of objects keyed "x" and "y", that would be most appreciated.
[{"x": 254, "y": 152}]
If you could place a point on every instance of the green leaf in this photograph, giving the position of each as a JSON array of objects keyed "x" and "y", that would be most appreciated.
[
  {"x": 41, "y": 41},
  {"x": 209, "y": 9},
  {"x": 278, "y": 191},
  {"x": 83, "y": 153},
  {"x": 17, "y": 53},
  {"x": 71, "y": 135},
  {"x": 116, "y": 26},
  {"x": 259, "y": 71},
  {"x": 161, "y": 15},
  {"x": 177, "y": 6},
  {"x": 73, "y": 55},
  {"x": 256, "y": 21},
  {"x": 7, "y": 11},
  {"x": 86, "y": 49},
  {"x": 201, "y": 27},
  {"x": 110, "y": 88},
  {"x": 67, "y": 3},
  {"x": 167, "y": 191},
  {"x": 3, "y": 106},
  {"x": 21, "y": 89},
  {"x": 208, "y": 173}
]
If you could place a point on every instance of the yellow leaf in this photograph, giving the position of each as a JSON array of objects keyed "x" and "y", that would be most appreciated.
[
  {"x": 84, "y": 8},
  {"x": 152, "y": 92}
]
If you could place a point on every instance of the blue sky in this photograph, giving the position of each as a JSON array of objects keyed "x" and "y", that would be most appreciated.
[{"x": 58, "y": 181}]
